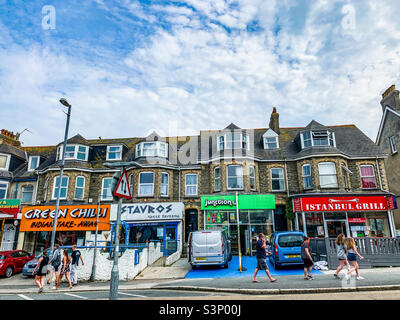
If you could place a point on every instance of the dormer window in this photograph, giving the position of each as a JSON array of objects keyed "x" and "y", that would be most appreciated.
[
  {"x": 33, "y": 163},
  {"x": 73, "y": 152},
  {"x": 317, "y": 139},
  {"x": 4, "y": 161},
  {"x": 152, "y": 149},
  {"x": 233, "y": 140},
  {"x": 270, "y": 139},
  {"x": 114, "y": 152}
]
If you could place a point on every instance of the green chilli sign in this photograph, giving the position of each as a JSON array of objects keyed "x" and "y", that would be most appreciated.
[{"x": 246, "y": 202}]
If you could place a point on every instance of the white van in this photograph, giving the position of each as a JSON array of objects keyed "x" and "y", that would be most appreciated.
[{"x": 209, "y": 247}]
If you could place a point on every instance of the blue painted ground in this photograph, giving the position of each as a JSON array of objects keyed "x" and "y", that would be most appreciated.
[{"x": 249, "y": 263}]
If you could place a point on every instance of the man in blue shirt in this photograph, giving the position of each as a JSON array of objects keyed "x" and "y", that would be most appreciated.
[{"x": 261, "y": 257}]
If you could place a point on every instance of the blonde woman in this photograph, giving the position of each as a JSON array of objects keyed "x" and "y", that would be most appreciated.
[
  {"x": 341, "y": 251},
  {"x": 352, "y": 254}
]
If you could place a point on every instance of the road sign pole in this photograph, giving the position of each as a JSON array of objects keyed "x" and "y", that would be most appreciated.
[{"x": 115, "y": 270}]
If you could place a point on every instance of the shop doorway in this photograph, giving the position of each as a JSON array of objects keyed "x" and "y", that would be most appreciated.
[
  {"x": 336, "y": 227},
  {"x": 191, "y": 218}
]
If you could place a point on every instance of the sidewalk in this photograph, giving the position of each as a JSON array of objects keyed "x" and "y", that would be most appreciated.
[{"x": 173, "y": 278}]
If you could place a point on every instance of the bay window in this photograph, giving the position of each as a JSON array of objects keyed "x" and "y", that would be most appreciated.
[
  {"x": 146, "y": 184},
  {"x": 106, "y": 193},
  {"x": 233, "y": 140},
  {"x": 4, "y": 161},
  {"x": 79, "y": 188},
  {"x": 27, "y": 194},
  {"x": 164, "y": 183},
  {"x": 327, "y": 175},
  {"x": 252, "y": 178},
  {"x": 63, "y": 188},
  {"x": 235, "y": 177},
  {"x": 217, "y": 179},
  {"x": 307, "y": 178},
  {"x": 368, "y": 179},
  {"x": 114, "y": 153},
  {"x": 152, "y": 149},
  {"x": 73, "y": 152}
]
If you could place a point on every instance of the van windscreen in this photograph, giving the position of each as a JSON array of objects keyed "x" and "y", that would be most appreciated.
[{"x": 290, "y": 240}]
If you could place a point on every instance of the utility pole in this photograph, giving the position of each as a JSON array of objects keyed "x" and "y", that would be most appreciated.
[{"x": 93, "y": 274}]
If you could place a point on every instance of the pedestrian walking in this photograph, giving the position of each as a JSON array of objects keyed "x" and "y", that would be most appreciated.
[
  {"x": 75, "y": 255},
  {"x": 40, "y": 270},
  {"x": 307, "y": 258},
  {"x": 55, "y": 263},
  {"x": 261, "y": 258},
  {"x": 352, "y": 254},
  {"x": 65, "y": 269},
  {"x": 341, "y": 251}
]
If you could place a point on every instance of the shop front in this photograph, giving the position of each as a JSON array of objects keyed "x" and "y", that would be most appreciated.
[
  {"x": 144, "y": 222},
  {"x": 256, "y": 215},
  {"x": 74, "y": 225},
  {"x": 9, "y": 209},
  {"x": 355, "y": 216}
]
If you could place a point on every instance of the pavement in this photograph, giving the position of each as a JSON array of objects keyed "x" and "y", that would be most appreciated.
[{"x": 179, "y": 276}]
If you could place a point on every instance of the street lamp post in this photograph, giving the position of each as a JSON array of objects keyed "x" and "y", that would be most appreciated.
[
  {"x": 93, "y": 274},
  {"x": 58, "y": 190}
]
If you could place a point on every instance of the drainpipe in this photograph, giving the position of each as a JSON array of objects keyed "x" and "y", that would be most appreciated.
[
  {"x": 36, "y": 190},
  {"x": 379, "y": 173}
]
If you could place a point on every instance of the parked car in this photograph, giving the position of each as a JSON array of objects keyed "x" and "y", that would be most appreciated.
[
  {"x": 286, "y": 248},
  {"x": 209, "y": 247},
  {"x": 31, "y": 264},
  {"x": 13, "y": 261}
]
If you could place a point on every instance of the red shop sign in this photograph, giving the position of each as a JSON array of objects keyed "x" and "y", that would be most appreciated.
[
  {"x": 357, "y": 220},
  {"x": 333, "y": 204}
]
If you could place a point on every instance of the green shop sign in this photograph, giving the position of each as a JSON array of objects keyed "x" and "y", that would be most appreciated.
[{"x": 246, "y": 202}]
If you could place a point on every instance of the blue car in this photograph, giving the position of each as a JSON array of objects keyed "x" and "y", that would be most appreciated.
[
  {"x": 286, "y": 248},
  {"x": 30, "y": 265}
]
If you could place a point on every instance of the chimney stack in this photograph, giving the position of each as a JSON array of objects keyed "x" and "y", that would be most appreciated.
[
  {"x": 390, "y": 98},
  {"x": 274, "y": 121}
]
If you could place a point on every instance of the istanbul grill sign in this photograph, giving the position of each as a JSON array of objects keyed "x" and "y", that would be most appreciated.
[{"x": 333, "y": 204}]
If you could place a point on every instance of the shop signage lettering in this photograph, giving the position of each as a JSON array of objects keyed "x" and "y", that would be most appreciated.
[
  {"x": 332, "y": 204},
  {"x": 219, "y": 202},
  {"x": 69, "y": 218},
  {"x": 149, "y": 211}
]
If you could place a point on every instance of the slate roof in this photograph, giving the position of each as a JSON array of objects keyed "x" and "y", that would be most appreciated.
[{"x": 9, "y": 149}]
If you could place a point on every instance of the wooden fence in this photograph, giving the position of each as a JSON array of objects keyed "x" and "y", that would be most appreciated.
[{"x": 377, "y": 252}]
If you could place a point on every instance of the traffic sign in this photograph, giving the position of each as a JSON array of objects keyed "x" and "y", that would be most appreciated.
[{"x": 122, "y": 190}]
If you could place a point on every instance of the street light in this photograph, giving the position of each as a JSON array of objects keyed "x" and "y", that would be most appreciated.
[{"x": 58, "y": 190}]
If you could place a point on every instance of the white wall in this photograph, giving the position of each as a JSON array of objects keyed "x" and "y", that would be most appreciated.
[{"x": 126, "y": 263}]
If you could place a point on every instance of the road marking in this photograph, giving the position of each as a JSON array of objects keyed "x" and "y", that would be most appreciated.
[
  {"x": 133, "y": 295},
  {"x": 24, "y": 297},
  {"x": 76, "y": 296}
]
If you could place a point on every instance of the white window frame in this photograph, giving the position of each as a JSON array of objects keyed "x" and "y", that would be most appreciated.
[
  {"x": 83, "y": 188},
  {"x": 6, "y": 189},
  {"x": 278, "y": 179},
  {"x": 335, "y": 174},
  {"x": 30, "y": 163},
  {"x": 229, "y": 145},
  {"x": 164, "y": 184},
  {"x": 53, "y": 195},
  {"x": 227, "y": 177},
  {"x": 306, "y": 176},
  {"x": 102, "y": 189},
  {"x": 131, "y": 183},
  {"x": 373, "y": 176},
  {"x": 393, "y": 146},
  {"x": 191, "y": 185},
  {"x": 330, "y": 138},
  {"x": 108, "y": 152},
  {"x": 219, "y": 179},
  {"x": 160, "y": 147},
  {"x": 22, "y": 193},
  {"x": 7, "y": 161},
  {"x": 267, "y": 143},
  {"x": 140, "y": 184},
  {"x": 76, "y": 151},
  {"x": 252, "y": 176}
]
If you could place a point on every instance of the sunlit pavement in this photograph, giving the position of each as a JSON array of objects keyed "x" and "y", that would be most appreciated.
[{"x": 249, "y": 263}]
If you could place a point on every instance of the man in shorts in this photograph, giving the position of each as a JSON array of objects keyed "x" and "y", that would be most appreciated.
[
  {"x": 261, "y": 258},
  {"x": 307, "y": 258}
]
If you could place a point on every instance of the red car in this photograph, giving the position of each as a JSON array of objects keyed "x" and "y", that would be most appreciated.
[{"x": 13, "y": 261}]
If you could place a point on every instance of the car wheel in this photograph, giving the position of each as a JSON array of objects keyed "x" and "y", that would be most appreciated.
[{"x": 9, "y": 271}]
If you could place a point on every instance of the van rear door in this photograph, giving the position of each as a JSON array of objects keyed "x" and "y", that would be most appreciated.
[
  {"x": 214, "y": 244},
  {"x": 199, "y": 243}
]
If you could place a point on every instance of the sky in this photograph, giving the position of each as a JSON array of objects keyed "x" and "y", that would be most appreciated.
[{"x": 131, "y": 67}]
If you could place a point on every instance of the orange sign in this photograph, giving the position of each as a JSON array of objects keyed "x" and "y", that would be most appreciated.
[{"x": 70, "y": 218}]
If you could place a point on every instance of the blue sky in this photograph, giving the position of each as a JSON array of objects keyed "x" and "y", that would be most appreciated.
[{"x": 129, "y": 67}]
